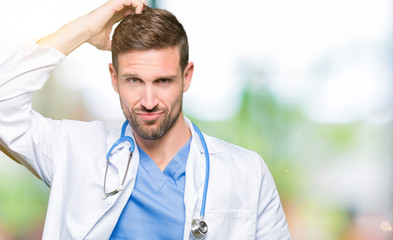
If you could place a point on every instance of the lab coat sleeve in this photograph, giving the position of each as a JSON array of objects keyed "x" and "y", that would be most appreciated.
[
  {"x": 271, "y": 222},
  {"x": 28, "y": 137}
]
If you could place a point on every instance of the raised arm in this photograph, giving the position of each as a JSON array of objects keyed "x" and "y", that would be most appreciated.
[
  {"x": 94, "y": 27},
  {"x": 25, "y": 135}
]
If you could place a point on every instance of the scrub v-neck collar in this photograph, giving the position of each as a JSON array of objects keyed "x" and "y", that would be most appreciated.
[{"x": 173, "y": 171}]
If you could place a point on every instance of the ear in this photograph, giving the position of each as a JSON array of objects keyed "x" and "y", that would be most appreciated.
[
  {"x": 113, "y": 73},
  {"x": 187, "y": 76}
]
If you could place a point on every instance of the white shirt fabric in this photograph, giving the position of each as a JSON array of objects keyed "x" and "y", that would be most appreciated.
[{"x": 69, "y": 157}]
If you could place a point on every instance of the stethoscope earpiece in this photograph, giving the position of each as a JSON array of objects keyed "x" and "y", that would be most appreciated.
[{"x": 198, "y": 229}]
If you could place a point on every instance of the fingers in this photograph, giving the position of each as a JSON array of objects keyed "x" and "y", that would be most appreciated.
[
  {"x": 108, "y": 45},
  {"x": 138, "y": 5},
  {"x": 138, "y": 9}
]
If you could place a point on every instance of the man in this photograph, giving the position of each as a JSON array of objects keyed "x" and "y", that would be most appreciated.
[{"x": 156, "y": 191}]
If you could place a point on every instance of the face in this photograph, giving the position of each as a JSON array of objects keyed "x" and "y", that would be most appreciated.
[{"x": 150, "y": 84}]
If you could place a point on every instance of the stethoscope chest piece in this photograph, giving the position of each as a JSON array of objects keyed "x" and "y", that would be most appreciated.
[{"x": 198, "y": 229}]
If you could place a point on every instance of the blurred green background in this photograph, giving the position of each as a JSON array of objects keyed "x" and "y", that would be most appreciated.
[{"x": 311, "y": 92}]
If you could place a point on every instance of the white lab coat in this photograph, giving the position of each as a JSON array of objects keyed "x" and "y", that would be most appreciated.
[{"x": 69, "y": 156}]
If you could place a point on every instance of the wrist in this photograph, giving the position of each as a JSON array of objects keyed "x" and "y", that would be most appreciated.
[{"x": 67, "y": 38}]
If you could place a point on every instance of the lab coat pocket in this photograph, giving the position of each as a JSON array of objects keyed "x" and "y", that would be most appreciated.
[{"x": 230, "y": 224}]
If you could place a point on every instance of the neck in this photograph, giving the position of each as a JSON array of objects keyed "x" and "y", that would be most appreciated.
[{"x": 162, "y": 150}]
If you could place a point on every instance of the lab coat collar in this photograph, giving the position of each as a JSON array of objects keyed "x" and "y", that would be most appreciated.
[
  {"x": 119, "y": 159},
  {"x": 212, "y": 148}
]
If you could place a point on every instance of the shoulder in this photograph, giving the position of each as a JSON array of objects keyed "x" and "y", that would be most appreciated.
[
  {"x": 83, "y": 127},
  {"x": 88, "y": 134},
  {"x": 234, "y": 155},
  {"x": 223, "y": 146}
]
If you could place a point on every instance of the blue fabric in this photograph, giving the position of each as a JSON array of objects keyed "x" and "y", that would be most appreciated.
[{"x": 155, "y": 209}]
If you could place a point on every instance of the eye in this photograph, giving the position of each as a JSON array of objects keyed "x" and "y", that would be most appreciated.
[
  {"x": 133, "y": 80},
  {"x": 164, "y": 81}
]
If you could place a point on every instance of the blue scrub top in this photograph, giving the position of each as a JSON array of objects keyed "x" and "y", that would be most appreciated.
[{"x": 155, "y": 209}]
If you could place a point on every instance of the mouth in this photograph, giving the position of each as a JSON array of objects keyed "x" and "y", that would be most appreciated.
[{"x": 149, "y": 116}]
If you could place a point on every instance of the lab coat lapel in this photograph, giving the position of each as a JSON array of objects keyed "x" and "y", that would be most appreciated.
[
  {"x": 118, "y": 165},
  {"x": 119, "y": 161},
  {"x": 195, "y": 177},
  {"x": 195, "y": 170}
]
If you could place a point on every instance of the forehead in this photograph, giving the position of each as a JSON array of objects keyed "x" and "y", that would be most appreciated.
[{"x": 158, "y": 61}]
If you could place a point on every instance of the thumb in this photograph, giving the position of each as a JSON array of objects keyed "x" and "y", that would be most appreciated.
[{"x": 108, "y": 45}]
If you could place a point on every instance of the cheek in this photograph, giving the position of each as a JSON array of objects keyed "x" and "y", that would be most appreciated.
[
  {"x": 128, "y": 100},
  {"x": 176, "y": 97}
]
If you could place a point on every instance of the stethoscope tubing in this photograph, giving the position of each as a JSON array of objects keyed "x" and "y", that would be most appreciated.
[
  {"x": 207, "y": 174},
  {"x": 122, "y": 138}
]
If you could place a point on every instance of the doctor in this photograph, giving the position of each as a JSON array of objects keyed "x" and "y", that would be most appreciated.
[{"x": 152, "y": 184}]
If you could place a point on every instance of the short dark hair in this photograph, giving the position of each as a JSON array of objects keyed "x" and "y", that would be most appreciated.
[{"x": 153, "y": 29}]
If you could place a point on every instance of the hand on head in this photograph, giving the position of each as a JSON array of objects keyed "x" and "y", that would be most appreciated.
[
  {"x": 94, "y": 27},
  {"x": 99, "y": 23}
]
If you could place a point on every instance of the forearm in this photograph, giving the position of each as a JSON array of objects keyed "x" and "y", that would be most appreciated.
[
  {"x": 67, "y": 38},
  {"x": 94, "y": 27},
  {"x": 24, "y": 73}
]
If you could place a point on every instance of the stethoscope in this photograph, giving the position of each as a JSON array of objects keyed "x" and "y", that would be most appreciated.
[{"x": 198, "y": 226}]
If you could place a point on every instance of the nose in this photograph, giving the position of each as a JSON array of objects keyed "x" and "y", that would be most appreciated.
[{"x": 149, "y": 99}]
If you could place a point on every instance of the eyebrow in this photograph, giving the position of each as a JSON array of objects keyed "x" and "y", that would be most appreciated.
[
  {"x": 128, "y": 75},
  {"x": 158, "y": 78},
  {"x": 167, "y": 77}
]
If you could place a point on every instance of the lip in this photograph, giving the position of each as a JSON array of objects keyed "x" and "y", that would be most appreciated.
[{"x": 149, "y": 116}]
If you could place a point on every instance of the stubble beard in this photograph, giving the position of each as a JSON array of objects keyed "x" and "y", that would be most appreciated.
[{"x": 147, "y": 130}]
